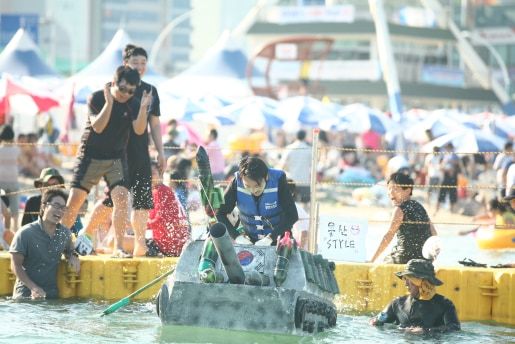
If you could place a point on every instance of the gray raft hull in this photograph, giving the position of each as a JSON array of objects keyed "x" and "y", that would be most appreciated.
[{"x": 298, "y": 307}]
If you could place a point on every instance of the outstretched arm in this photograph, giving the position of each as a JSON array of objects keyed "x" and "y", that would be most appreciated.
[
  {"x": 155, "y": 131},
  {"x": 396, "y": 222}
]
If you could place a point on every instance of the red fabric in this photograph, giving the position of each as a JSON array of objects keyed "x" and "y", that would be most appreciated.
[
  {"x": 371, "y": 140},
  {"x": 168, "y": 221},
  {"x": 70, "y": 117},
  {"x": 44, "y": 103}
]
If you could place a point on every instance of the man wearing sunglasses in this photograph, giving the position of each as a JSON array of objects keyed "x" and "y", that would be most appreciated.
[
  {"x": 113, "y": 113},
  {"x": 37, "y": 248},
  {"x": 138, "y": 161}
]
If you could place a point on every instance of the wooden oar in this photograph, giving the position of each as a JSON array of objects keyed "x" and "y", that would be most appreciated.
[{"x": 126, "y": 300}]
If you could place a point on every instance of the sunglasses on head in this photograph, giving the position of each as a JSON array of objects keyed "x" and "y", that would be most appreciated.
[{"x": 126, "y": 90}]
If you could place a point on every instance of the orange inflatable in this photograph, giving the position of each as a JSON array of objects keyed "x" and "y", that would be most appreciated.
[{"x": 489, "y": 238}]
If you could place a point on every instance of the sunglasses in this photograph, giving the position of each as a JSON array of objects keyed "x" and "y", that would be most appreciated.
[
  {"x": 126, "y": 90},
  {"x": 57, "y": 206}
]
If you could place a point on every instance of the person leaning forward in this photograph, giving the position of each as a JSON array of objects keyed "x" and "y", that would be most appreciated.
[
  {"x": 265, "y": 204},
  {"x": 423, "y": 310},
  {"x": 37, "y": 248},
  {"x": 113, "y": 111}
]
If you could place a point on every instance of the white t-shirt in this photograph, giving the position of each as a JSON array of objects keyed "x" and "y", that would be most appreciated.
[
  {"x": 510, "y": 178},
  {"x": 302, "y": 225},
  {"x": 9, "y": 162},
  {"x": 433, "y": 166},
  {"x": 297, "y": 161}
]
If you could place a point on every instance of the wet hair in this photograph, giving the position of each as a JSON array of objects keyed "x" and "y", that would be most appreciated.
[
  {"x": 48, "y": 196},
  {"x": 253, "y": 168},
  {"x": 182, "y": 166},
  {"x": 301, "y": 135},
  {"x": 132, "y": 50},
  {"x": 403, "y": 179},
  {"x": 131, "y": 76},
  {"x": 6, "y": 133},
  {"x": 494, "y": 204}
]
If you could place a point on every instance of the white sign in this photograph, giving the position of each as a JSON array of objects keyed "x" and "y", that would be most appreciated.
[
  {"x": 311, "y": 14},
  {"x": 341, "y": 238},
  {"x": 286, "y": 51},
  {"x": 328, "y": 70},
  {"x": 497, "y": 35}
]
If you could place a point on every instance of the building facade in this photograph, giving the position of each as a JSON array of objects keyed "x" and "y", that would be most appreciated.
[{"x": 430, "y": 68}]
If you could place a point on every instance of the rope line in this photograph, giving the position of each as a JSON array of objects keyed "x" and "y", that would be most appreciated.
[{"x": 343, "y": 149}]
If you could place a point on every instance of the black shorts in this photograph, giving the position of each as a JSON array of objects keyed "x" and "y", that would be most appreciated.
[
  {"x": 302, "y": 193},
  {"x": 140, "y": 186},
  {"x": 452, "y": 191},
  {"x": 88, "y": 172}
]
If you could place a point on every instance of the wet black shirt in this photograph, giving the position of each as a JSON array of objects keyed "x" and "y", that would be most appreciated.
[
  {"x": 137, "y": 147},
  {"x": 411, "y": 236},
  {"x": 435, "y": 315},
  {"x": 31, "y": 211},
  {"x": 111, "y": 143}
]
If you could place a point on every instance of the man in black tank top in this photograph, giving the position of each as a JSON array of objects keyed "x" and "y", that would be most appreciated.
[{"x": 409, "y": 221}]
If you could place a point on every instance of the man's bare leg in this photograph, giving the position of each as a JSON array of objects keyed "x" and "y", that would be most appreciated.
[
  {"x": 75, "y": 200},
  {"x": 100, "y": 215},
  {"x": 120, "y": 197},
  {"x": 139, "y": 225}
]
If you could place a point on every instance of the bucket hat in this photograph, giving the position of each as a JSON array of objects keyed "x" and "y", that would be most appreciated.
[
  {"x": 420, "y": 268},
  {"x": 46, "y": 174}
]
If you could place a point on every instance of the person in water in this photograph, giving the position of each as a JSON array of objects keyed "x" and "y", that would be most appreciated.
[
  {"x": 37, "y": 248},
  {"x": 409, "y": 221},
  {"x": 423, "y": 310},
  {"x": 265, "y": 203}
]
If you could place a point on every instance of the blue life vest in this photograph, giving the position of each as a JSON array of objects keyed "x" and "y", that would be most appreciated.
[{"x": 259, "y": 216}]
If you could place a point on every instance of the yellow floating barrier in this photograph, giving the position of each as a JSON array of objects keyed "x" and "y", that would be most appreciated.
[
  {"x": 489, "y": 238},
  {"x": 479, "y": 294}
]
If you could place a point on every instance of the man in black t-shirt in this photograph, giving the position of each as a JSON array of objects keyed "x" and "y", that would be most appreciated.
[
  {"x": 113, "y": 113},
  {"x": 138, "y": 161}
]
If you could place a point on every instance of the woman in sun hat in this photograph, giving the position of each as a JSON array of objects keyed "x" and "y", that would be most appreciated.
[{"x": 423, "y": 310}]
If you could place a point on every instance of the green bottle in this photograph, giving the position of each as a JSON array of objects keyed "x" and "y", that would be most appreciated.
[
  {"x": 206, "y": 267},
  {"x": 284, "y": 249}
]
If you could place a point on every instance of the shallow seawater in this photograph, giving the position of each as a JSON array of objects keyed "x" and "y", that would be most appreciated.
[{"x": 67, "y": 321}]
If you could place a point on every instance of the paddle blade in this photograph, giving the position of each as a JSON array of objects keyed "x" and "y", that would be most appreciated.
[
  {"x": 432, "y": 248},
  {"x": 115, "y": 306}
]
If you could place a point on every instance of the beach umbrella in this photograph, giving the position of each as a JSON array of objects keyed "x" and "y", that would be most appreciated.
[
  {"x": 359, "y": 118},
  {"x": 255, "y": 112},
  {"x": 437, "y": 124},
  {"x": 467, "y": 141},
  {"x": 303, "y": 111},
  {"x": 501, "y": 126}
]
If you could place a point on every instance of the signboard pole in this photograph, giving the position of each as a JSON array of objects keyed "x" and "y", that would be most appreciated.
[{"x": 312, "y": 242}]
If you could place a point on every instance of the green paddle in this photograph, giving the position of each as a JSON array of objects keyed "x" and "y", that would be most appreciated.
[{"x": 126, "y": 300}]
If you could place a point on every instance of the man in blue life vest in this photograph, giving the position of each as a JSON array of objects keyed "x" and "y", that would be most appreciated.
[{"x": 266, "y": 207}]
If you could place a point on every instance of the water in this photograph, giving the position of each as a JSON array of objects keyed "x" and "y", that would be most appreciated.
[{"x": 80, "y": 322}]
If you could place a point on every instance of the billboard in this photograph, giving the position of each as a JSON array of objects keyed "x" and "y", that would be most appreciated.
[{"x": 10, "y": 23}]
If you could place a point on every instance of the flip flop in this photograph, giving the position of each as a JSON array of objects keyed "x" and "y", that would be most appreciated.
[
  {"x": 470, "y": 262},
  {"x": 121, "y": 254}
]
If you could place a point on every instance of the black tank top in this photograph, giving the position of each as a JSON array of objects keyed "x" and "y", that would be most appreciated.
[{"x": 411, "y": 236}]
